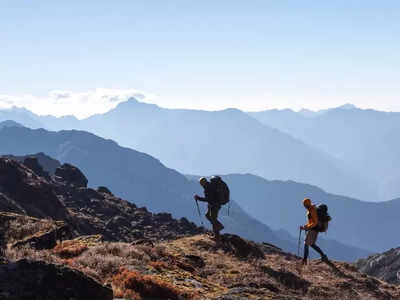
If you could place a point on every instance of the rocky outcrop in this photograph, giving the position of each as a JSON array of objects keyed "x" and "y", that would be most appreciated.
[
  {"x": 104, "y": 190},
  {"x": 71, "y": 175},
  {"x": 385, "y": 266},
  {"x": 46, "y": 240},
  {"x": 33, "y": 164},
  {"x": 86, "y": 211},
  {"x": 48, "y": 164},
  {"x": 37, "y": 280},
  {"x": 28, "y": 192}
]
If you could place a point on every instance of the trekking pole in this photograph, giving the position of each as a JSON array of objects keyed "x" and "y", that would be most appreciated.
[
  {"x": 298, "y": 247},
  {"x": 198, "y": 210}
]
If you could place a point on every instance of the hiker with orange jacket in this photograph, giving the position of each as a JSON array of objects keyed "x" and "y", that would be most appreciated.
[{"x": 312, "y": 231}]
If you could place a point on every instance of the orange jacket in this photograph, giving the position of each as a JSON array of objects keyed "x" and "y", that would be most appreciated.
[{"x": 312, "y": 218}]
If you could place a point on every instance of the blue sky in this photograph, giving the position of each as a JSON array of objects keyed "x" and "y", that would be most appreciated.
[{"x": 205, "y": 54}]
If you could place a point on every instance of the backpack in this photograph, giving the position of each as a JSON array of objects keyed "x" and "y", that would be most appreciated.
[
  {"x": 222, "y": 190},
  {"x": 323, "y": 217}
]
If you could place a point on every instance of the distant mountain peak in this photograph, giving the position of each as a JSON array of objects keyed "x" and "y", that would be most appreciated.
[
  {"x": 134, "y": 103},
  {"x": 348, "y": 106},
  {"x": 9, "y": 123}
]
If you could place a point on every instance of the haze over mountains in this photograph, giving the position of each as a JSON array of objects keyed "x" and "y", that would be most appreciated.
[
  {"x": 228, "y": 141},
  {"x": 365, "y": 140}
]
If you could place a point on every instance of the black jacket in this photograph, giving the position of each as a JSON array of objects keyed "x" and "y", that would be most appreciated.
[{"x": 210, "y": 195}]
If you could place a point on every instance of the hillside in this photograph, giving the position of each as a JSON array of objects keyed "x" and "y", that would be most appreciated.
[
  {"x": 356, "y": 223},
  {"x": 364, "y": 139},
  {"x": 192, "y": 267}
]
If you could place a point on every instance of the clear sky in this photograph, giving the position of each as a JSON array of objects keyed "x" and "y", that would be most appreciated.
[{"x": 202, "y": 54}]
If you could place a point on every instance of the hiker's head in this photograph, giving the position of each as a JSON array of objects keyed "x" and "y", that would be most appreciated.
[
  {"x": 203, "y": 181},
  {"x": 307, "y": 203}
]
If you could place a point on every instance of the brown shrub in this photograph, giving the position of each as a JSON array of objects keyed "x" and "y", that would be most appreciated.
[
  {"x": 69, "y": 249},
  {"x": 131, "y": 285}
]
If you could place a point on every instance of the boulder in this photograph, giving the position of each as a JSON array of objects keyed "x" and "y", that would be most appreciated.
[
  {"x": 240, "y": 247},
  {"x": 71, "y": 175},
  {"x": 34, "y": 280}
]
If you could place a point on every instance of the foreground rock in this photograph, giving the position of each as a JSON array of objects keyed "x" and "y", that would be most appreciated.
[
  {"x": 37, "y": 280},
  {"x": 385, "y": 266}
]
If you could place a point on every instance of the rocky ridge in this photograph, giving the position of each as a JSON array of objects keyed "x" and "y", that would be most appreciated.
[{"x": 385, "y": 266}]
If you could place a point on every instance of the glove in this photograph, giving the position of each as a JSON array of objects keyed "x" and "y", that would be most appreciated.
[{"x": 196, "y": 197}]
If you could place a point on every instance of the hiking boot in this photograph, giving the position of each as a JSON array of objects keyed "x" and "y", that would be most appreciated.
[
  {"x": 324, "y": 258},
  {"x": 304, "y": 262},
  {"x": 217, "y": 236}
]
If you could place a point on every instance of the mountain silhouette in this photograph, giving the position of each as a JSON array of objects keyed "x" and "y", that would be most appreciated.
[
  {"x": 228, "y": 141},
  {"x": 365, "y": 140}
]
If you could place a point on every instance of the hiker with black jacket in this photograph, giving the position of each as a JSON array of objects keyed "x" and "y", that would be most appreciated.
[
  {"x": 211, "y": 196},
  {"x": 312, "y": 231}
]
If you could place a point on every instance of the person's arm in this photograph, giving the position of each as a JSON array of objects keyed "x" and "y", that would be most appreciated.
[
  {"x": 313, "y": 221},
  {"x": 205, "y": 198},
  {"x": 198, "y": 198}
]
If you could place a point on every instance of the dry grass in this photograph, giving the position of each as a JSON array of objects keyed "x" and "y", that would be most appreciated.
[
  {"x": 70, "y": 249},
  {"x": 133, "y": 285},
  {"x": 21, "y": 228}
]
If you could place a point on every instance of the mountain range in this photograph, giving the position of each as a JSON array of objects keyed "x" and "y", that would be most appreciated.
[
  {"x": 220, "y": 142},
  {"x": 364, "y": 139}
]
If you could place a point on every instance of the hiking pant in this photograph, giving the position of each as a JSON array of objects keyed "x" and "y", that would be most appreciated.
[
  {"x": 212, "y": 216},
  {"x": 310, "y": 240}
]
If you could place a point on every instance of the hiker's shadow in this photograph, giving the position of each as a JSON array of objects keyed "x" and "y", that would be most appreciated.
[{"x": 336, "y": 270}]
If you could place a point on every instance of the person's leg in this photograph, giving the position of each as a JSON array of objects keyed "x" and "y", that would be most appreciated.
[
  {"x": 306, "y": 251},
  {"x": 208, "y": 214},
  {"x": 307, "y": 242},
  {"x": 214, "y": 221},
  {"x": 215, "y": 212},
  {"x": 318, "y": 249}
]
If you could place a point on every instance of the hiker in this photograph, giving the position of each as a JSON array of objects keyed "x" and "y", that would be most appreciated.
[
  {"x": 312, "y": 231},
  {"x": 216, "y": 193}
]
